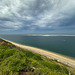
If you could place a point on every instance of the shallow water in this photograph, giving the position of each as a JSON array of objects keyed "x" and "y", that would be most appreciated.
[{"x": 60, "y": 44}]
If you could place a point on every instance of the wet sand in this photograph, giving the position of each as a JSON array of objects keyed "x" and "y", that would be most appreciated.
[{"x": 60, "y": 58}]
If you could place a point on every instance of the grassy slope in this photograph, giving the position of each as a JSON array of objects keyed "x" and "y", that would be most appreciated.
[{"x": 15, "y": 60}]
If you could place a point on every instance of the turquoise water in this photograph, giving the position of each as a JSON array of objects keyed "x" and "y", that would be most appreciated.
[{"x": 60, "y": 44}]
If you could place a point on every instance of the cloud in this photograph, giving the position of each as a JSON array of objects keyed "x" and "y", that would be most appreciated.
[
  {"x": 57, "y": 14},
  {"x": 36, "y": 14}
]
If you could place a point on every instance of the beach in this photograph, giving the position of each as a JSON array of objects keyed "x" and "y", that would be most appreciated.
[
  {"x": 60, "y": 58},
  {"x": 48, "y": 35}
]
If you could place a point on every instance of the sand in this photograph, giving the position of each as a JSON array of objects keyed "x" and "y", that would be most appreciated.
[
  {"x": 60, "y": 58},
  {"x": 47, "y": 35}
]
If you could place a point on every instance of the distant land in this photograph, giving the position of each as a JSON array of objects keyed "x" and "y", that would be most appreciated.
[{"x": 46, "y": 35}]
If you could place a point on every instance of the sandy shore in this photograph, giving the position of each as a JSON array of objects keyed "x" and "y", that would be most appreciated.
[
  {"x": 57, "y": 35},
  {"x": 47, "y": 35},
  {"x": 65, "y": 60}
]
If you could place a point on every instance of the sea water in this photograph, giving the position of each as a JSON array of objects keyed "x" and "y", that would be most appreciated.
[{"x": 60, "y": 44}]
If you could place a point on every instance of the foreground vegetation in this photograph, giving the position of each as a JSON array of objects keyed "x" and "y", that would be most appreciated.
[{"x": 16, "y": 61}]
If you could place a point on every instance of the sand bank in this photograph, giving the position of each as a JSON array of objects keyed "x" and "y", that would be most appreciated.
[
  {"x": 57, "y": 35},
  {"x": 68, "y": 61},
  {"x": 47, "y": 35}
]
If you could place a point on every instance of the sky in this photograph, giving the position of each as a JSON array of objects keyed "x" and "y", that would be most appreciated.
[{"x": 37, "y": 16}]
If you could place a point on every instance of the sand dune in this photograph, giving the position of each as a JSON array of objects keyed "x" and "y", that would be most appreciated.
[{"x": 51, "y": 55}]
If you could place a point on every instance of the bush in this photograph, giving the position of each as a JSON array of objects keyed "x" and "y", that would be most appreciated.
[{"x": 14, "y": 60}]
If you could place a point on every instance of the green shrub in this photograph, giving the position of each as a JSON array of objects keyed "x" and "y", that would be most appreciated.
[{"x": 14, "y": 60}]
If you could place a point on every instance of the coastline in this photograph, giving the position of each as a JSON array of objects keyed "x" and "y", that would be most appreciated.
[
  {"x": 48, "y": 35},
  {"x": 60, "y": 58}
]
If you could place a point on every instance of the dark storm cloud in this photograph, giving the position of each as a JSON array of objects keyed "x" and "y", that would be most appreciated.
[{"x": 44, "y": 15}]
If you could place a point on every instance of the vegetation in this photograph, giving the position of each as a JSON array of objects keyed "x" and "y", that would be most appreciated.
[{"x": 16, "y": 61}]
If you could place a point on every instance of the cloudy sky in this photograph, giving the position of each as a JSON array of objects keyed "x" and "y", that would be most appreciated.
[{"x": 37, "y": 16}]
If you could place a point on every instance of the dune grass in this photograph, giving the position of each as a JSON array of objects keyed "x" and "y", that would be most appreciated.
[{"x": 14, "y": 61}]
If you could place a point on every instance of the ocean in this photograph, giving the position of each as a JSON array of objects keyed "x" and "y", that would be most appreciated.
[{"x": 64, "y": 45}]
